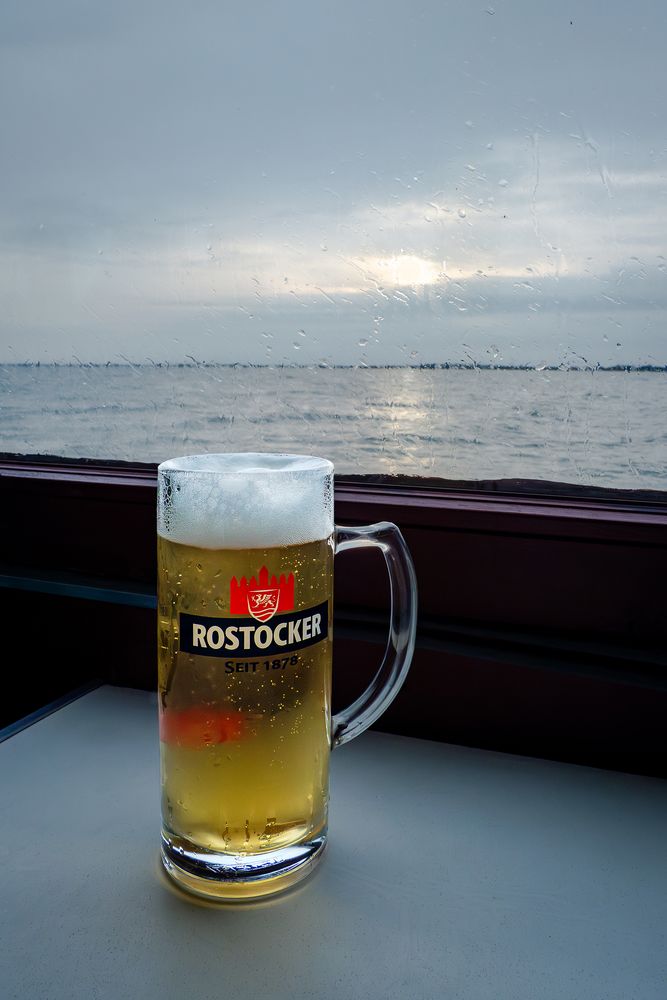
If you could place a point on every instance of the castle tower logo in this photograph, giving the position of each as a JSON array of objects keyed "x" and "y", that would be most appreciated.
[{"x": 262, "y": 597}]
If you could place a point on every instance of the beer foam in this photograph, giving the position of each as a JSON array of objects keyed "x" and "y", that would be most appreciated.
[{"x": 244, "y": 501}]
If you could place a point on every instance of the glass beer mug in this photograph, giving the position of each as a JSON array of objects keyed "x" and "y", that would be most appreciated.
[{"x": 246, "y": 547}]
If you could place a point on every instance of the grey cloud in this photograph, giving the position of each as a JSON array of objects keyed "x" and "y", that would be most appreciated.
[{"x": 162, "y": 159}]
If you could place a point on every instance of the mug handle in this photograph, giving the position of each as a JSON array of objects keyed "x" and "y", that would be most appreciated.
[{"x": 402, "y": 627}]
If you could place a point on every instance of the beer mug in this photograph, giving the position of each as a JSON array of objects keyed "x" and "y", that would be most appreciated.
[{"x": 246, "y": 547}]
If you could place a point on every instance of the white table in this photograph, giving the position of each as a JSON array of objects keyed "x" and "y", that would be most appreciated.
[{"x": 450, "y": 873}]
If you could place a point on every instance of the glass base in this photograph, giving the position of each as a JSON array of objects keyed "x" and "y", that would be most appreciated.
[{"x": 213, "y": 875}]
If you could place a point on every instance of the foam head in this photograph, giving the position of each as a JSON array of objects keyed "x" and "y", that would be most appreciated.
[{"x": 244, "y": 501}]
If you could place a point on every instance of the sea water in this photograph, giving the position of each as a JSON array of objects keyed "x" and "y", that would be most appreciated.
[{"x": 606, "y": 428}]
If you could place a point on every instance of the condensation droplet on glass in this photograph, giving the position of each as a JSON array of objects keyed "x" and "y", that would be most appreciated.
[
  {"x": 363, "y": 342},
  {"x": 462, "y": 213},
  {"x": 296, "y": 346},
  {"x": 302, "y": 333},
  {"x": 323, "y": 247},
  {"x": 470, "y": 124}
]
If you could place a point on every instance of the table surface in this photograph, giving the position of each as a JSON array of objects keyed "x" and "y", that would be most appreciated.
[{"x": 450, "y": 873}]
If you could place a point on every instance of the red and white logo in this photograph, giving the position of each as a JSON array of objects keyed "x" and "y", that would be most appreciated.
[{"x": 262, "y": 597}]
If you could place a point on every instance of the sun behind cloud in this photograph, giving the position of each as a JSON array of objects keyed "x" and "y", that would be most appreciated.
[{"x": 402, "y": 270}]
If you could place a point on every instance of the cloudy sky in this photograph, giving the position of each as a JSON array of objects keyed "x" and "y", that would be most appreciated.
[{"x": 351, "y": 182}]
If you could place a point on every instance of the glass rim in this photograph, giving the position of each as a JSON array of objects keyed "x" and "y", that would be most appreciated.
[{"x": 223, "y": 464}]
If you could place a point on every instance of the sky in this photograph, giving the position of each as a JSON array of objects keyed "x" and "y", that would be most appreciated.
[{"x": 358, "y": 183}]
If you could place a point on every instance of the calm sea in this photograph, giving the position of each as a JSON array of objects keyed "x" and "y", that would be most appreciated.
[{"x": 600, "y": 428}]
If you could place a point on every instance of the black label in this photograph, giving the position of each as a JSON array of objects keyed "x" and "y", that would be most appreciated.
[{"x": 240, "y": 637}]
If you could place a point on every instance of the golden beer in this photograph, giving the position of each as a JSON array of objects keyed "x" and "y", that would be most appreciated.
[
  {"x": 246, "y": 548},
  {"x": 244, "y": 733}
]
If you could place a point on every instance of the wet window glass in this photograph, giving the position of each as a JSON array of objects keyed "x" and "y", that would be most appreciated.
[{"x": 425, "y": 240}]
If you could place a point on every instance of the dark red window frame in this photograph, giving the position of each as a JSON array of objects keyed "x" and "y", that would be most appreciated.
[{"x": 542, "y": 618}]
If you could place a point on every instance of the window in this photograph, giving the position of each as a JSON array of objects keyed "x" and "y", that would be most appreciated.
[
  {"x": 475, "y": 187},
  {"x": 427, "y": 243}
]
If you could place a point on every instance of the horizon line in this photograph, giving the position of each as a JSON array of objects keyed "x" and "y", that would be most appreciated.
[{"x": 424, "y": 366}]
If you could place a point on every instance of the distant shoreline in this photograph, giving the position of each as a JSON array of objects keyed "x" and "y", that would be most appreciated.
[{"x": 444, "y": 366}]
